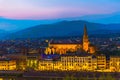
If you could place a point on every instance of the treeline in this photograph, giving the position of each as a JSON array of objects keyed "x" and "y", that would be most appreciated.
[{"x": 102, "y": 77}]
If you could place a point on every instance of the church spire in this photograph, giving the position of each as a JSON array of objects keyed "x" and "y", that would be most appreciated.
[
  {"x": 85, "y": 30},
  {"x": 85, "y": 36},
  {"x": 85, "y": 39}
]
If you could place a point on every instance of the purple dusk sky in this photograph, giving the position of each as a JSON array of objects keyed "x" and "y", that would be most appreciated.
[{"x": 53, "y": 9}]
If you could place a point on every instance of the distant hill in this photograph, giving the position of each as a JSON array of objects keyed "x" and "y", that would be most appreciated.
[
  {"x": 65, "y": 28},
  {"x": 102, "y": 18},
  {"x": 3, "y": 33}
]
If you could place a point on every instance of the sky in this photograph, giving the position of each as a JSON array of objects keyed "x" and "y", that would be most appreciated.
[{"x": 38, "y": 10}]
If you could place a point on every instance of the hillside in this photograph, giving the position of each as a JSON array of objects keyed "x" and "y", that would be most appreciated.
[
  {"x": 65, "y": 28},
  {"x": 3, "y": 33}
]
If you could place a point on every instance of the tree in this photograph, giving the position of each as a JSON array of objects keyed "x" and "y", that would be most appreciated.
[
  {"x": 109, "y": 77},
  {"x": 67, "y": 78}
]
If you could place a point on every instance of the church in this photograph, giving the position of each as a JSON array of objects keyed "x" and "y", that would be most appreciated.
[{"x": 63, "y": 48}]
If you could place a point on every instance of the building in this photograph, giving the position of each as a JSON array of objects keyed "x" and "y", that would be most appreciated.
[
  {"x": 101, "y": 62},
  {"x": 85, "y": 40},
  {"x": 69, "y": 63},
  {"x": 115, "y": 63},
  {"x": 63, "y": 48},
  {"x": 78, "y": 63},
  {"x": 49, "y": 65},
  {"x": 7, "y": 64},
  {"x": 20, "y": 61},
  {"x": 32, "y": 62}
]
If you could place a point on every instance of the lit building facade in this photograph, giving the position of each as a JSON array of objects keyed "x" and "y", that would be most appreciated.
[
  {"x": 49, "y": 65},
  {"x": 7, "y": 64},
  {"x": 64, "y": 63},
  {"x": 115, "y": 63},
  {"x": 78, "y": 63},
  {"x": 63, "y": 48},
  {"x": 32, "y": 62},
  {"x": 69, "y": 63},
  {"x": 101, "y": 62}
]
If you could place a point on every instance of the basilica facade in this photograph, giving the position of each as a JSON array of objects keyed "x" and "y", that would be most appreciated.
[{"x": 63, "y": 48}]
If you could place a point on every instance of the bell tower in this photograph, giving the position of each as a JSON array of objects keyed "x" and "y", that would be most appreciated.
[{"x": 85, "y": 40}]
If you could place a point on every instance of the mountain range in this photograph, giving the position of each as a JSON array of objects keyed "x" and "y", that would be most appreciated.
[
  {"x": 13, "y": 25},
  {"x": 64, "y": 28}
]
